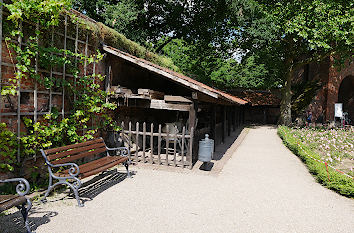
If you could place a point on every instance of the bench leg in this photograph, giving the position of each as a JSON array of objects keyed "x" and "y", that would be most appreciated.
[
  {"x": 50, "y": 187},
  {"x": 126, "y": 165},
  {"x": 24, "y": 211},
  {"x": 76, "y": 193}
]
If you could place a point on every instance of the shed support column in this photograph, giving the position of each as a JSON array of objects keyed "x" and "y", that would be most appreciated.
[
  {"x": 229, "y": 121},
  {"x": 234, "y": 118},
  {"x": 223, "y": 135},
  {"x": 192, "y": 116},
  {"x": 213, "y": 122}
]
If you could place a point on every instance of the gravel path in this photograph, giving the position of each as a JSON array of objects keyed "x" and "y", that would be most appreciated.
[{"x": 262, "y": 188}]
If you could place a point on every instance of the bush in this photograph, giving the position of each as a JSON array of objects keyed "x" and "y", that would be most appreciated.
[{"x": 338, "y": 182}]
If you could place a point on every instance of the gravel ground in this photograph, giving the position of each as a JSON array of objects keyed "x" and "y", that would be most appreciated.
[{"x": 262, "y": 188}]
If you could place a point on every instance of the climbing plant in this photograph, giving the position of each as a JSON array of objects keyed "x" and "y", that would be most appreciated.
[{"x": 89, "y": 111}]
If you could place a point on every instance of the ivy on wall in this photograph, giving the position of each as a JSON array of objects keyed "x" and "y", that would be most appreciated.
[{"x": 90, "y": 103}]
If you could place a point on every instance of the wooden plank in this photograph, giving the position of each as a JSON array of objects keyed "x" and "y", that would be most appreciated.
[
  {"x": 137, "y": 142},
  {"x": 151, "y": 93},
  {"x": 161, "y": 104},
  {"x": 172, "y": 98},
  {"x": 76, "y": 151},
  {"x": 183, "y": 143},
  {"x": 152, "y": 143},
  {"x": 159, "y": 146},
  {"x": 63, "y": 148},
  {"x": 167, "y": 143},
  {"x": 144, "y": 141},
  {"x": 174, "y": 149},
  {"x": 79, "y": 156},
  {"x": 103, "y": 168}
]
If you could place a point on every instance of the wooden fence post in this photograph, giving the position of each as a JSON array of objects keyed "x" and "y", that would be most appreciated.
[
  {"x": 159, "y": 146},
  {"x": 144, "y": 141},
  {"x": 137, "y": 141},
  {"x": 152, "y": 143}
]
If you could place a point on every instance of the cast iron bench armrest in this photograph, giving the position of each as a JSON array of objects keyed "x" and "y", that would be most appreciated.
[
  {"x": 22, "y": 188},
  {"x": 23, "y": 205},
  {"x": 73, "y": 171},
  {"x": 122, "y": 151}
]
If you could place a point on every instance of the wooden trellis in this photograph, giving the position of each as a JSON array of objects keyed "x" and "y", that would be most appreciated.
[{"x": 51, "y": 72}]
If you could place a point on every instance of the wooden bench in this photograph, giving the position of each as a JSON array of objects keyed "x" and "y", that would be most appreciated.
[
  {"x": 19, "y": 200},
  {"x": 60, "y": 158}
]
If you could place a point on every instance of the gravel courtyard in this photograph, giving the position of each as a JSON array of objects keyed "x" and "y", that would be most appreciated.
[{"x": 262, "y": 188}]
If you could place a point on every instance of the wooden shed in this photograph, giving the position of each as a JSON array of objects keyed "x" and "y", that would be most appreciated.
[{"x": 164, "y": 113}]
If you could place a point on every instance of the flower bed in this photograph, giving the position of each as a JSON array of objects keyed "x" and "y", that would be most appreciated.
[
  {"x": 335, "y": 146},
  {"x": 315, "y": 146}
]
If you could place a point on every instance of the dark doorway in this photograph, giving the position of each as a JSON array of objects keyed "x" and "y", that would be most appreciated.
[{"x": 346, "y": 96}]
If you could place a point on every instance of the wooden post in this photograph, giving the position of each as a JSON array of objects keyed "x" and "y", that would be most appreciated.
[
  {"x": 174, "y": 149},
  {"x": 183, "y": 143},
  {"x": 234, "y": 118},
  {"x": 152, "y": 143},
  {"x": 167, "y": 143},
  {"x": 130, "y": 138},
  {"x": 159, "y": 146},
  {"x": 229, "y": 121},
  {"x": 192, "y": 115},
  {"x": 64, "y": 67},
  {"x": 137, "y": 141},
  {"x": 213, "y": 122},
  {"x": 190, "y": 159},
  {"x": 223, "y": 135},
  {"x": 35, "y": 92},
  {"x": 144, "y": 141}
]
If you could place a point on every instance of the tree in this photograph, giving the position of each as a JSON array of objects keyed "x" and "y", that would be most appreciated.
[{"x": 298, "y": 32}]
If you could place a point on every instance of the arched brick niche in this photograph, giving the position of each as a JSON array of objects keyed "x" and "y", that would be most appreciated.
[
  {"x": 336, "y": 77},
  {"x": 346, "y": 96}
]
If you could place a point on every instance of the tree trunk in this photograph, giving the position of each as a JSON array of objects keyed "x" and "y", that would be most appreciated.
[{"x": 285, "y": 105}]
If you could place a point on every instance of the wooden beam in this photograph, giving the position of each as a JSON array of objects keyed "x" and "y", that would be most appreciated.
[
  {"x": 172, "y": 98},
  {"x": 161, "y": 104}
]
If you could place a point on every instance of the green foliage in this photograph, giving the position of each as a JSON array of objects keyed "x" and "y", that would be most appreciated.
[
  {"x": 338, "y": 182},
  {"x": 90, "y": 100},
  {"x": 303, "y": 95},
  {"x": 247, "y": 74},
  {"x": 295, "y": 33},
  {"x": 8, "y": 148},
  {"x": 44, "y": 12},
  {"x": 121, "y": 15},
  {"x": 117, "y": 40}
]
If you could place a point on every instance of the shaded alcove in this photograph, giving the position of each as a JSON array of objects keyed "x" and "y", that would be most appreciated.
[{"x": 346, "y": 96}]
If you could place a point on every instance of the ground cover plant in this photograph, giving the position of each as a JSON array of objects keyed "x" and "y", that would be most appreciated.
[{"x": 318, "y": 146}]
